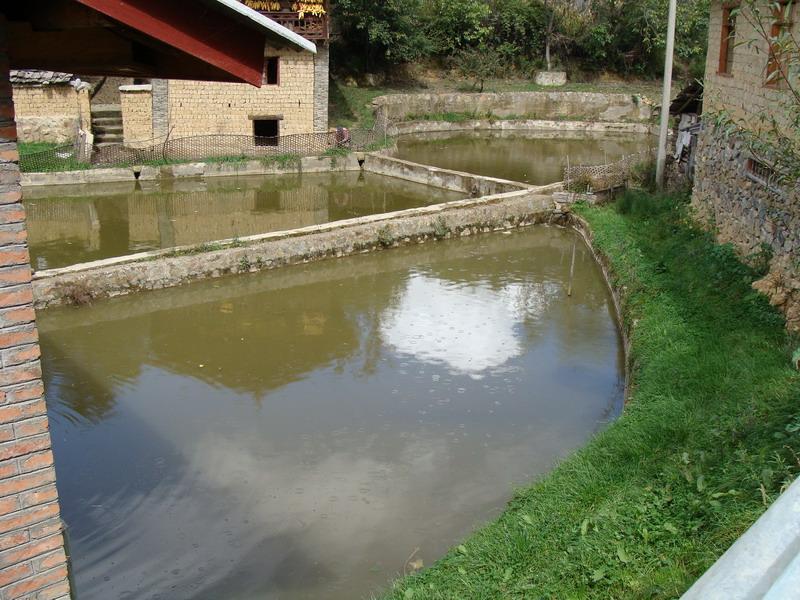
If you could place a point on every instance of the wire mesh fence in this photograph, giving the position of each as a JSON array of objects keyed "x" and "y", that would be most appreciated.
[
  {"x": 599, "y": 178},
  {"x": 219, "y": 147}
]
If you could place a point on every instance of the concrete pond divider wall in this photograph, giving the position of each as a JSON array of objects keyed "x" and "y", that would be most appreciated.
[
  {"x": 493, "y": 204},
  {"x": 456, "y": 181},
  {"x": 167, "y": 268},
  {"x": 306, "y": 164}
]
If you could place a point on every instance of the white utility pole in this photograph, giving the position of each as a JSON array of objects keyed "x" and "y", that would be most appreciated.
[{"x": 666, "y": 95}]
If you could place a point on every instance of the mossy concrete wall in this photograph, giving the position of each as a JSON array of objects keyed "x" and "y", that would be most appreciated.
[
  {"x": 521, "y": 126},
  {"x": 585, "y": 106}
]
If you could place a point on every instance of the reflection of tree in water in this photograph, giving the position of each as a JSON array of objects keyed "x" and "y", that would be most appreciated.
[{"x": 74, "y": 391}]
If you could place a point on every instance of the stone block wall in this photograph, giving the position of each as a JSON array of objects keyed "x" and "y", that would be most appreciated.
[
  {"x": 530, "y": 105},
  {"x": 52, "y": 113},
  {"x": 199, "y": 108},
  {"x": 136, "y": 103},
  {"x": 751, "y": 215},
  {"x": 33, "y": 563},
  {"x": 321, "y": 87}
]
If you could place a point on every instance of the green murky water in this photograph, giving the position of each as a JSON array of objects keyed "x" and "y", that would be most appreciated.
[
  {"x": 301, "y": 433},
  {"x": 537, "y": 158},
  {"x": 75, "y": 224}
]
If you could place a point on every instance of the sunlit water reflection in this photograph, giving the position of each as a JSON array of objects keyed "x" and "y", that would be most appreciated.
[
  {"x": 79, "y": 223},
  {"x": 535, "y": 157},
  {"x": 300, "y": 433}
]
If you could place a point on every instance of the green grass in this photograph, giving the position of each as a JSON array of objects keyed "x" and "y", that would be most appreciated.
[
  {"x": 709, "y": 438},
  {"x": 350, "y": 106},
  {"x": 26, "y": 148}
]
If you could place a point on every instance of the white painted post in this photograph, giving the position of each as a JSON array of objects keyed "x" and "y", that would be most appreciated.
[{"x": 666, "y": 95}]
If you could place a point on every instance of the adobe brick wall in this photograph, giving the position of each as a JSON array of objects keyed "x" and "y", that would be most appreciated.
[
  {"x": 200, "y": 107},
  {"x": 52, "y": 113},
  {"x": 742, "y": 93},
  {"x": 136, "y": 104},
  {"x": 33, "y": 563}
]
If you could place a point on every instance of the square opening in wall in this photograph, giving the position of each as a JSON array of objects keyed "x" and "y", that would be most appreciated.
[
  {"x": 266, "y": 132},
  {"x": 272, "y": 71}
]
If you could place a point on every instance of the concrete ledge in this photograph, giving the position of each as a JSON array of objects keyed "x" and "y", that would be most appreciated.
[
  {"x": 308, "y": 164},
  {"x": 145, "y": 87},
  {"x": 763, "y": 563},
  {"x": 531, "y": 125},
  {"x": 457, "y": 181},
  {"x": 173, "y": 267},
  {"x": 78, "y": 177}
]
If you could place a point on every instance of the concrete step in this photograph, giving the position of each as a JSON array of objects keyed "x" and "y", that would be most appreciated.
[
  {"x": 107, "y": 129},
  {"x": 106, "y": 121},
  {"x": 107, "y": 139},
  {"x": 106, "y": 110}
]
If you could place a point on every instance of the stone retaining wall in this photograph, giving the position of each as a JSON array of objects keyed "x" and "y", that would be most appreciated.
[
  {"x": 168, "y": 268},
  {"x": 752, "y": 215},
  {"x": 585, "y": 106},
  {"x": 522, "y": 126}
]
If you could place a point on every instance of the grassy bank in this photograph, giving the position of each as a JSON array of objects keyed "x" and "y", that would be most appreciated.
[{"x": 709, "y": 438}]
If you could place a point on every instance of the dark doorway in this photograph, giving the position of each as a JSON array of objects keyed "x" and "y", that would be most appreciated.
[{"x": 266, "y": 131}]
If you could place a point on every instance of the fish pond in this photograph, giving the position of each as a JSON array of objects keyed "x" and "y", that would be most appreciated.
[
  {"x": 76, "y": 224},
  {"x": 537, "y": 158},
  {"x": 315, "y": 431}
]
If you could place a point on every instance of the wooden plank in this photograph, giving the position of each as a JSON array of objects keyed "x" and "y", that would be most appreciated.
[{"x": 194, "y": 29}]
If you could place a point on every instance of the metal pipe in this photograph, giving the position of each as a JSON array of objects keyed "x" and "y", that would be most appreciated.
[{"x": 666, "y": 95}]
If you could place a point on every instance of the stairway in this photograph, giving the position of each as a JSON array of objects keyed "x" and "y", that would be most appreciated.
[{"x": 107, "y": 124}]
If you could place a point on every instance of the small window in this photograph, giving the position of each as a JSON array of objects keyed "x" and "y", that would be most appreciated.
[
  {"x": 266, "y": 131},
  {"x": 728, "y": 40},
  {"x": 764, "y": 174},
  {"x": 776, "y": 66},
  {"x": 272, "y": 70}
]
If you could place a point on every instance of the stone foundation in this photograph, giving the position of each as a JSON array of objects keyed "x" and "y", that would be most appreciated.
[{"x": 751, "y": 214}]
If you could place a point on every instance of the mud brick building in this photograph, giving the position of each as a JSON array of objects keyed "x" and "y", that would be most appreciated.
[
  {"x": 293, "y": 97},
  {"x": 737, "y": 191}
]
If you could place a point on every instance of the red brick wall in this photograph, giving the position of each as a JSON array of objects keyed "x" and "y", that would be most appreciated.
[{"x": 33, "y": 565}]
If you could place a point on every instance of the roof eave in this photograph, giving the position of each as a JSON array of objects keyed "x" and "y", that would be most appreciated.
[{"x": 257, "y": 20}]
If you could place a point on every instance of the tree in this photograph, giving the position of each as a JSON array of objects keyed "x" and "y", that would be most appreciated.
[
  {"x": 456, "y": 24},
  {"x": 380, "y": 34},
  {"x": 477, "y": 64},
  {"x": 565, "y": 20}
]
